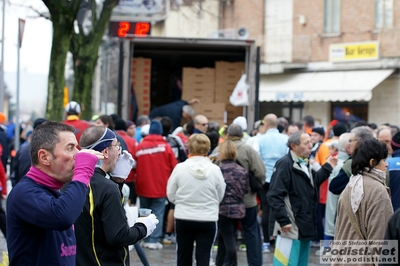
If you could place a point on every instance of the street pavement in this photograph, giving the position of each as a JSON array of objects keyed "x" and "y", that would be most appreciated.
[{"x": 167, "y": 256}]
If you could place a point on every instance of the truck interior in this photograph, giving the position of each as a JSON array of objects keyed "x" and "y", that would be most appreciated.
[{"x": 168, "y": 59}]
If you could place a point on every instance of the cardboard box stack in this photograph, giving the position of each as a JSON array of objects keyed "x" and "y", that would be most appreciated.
[
  {"x": 213, "y": 86},
  {"x": 227, "y": 74},
  {"x": 198, "y": 83},
  {"x": 140, "y": 77}
]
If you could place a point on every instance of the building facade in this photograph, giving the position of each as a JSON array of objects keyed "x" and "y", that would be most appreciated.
[{"x": 333, "y": 59}]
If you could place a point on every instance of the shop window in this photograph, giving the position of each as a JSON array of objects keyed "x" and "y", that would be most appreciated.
[
  {"x": 332, "y": 16},
  {"x": 350, "y": 112},
  {"x": 293, "y": 111},
  {"x": 383, "y": 14}
]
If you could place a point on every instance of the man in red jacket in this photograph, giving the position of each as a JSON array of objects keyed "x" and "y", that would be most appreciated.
[
  {"x": 155, "y": 161},
  {"x": 73, "y": 112}
]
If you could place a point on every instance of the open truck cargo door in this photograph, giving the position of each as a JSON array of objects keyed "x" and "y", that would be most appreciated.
[{"x": 160, "y": 70}]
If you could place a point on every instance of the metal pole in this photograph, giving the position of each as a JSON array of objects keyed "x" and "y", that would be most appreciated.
[
  {"x": 16, "y": 122},
  {"x": 257, "y": 92},
  {"x": 2, "y": 60},
  {"x": 120, "y": 78},
  {"x": 106, "y": 81}
]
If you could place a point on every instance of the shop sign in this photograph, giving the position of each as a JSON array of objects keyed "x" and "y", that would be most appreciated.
[
  {"x": 362, "y": 51},
  {"x": 289, "y": 96}
]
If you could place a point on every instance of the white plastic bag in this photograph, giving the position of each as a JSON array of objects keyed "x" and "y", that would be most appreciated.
[
  {"x": 240, "y": 96},
  {"x": 131, "y": 213}
]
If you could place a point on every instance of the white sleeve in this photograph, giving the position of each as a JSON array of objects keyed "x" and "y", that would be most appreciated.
[{"x": 172, "y": 185}]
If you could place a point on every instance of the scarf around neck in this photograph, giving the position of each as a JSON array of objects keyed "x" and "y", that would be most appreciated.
[
  {"x": 44, "y": 179},
  {"x": 356, "y": 185}
]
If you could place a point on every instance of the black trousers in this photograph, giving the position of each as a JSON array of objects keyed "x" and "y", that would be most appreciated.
[
  {"x": 226, "y": 242},
  {"x": 187, "y": 232},
  {"x": 266, "y": 223}
]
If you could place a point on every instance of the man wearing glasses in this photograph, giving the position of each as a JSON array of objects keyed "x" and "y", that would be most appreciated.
[
  {"x": 358, "y": 134},
  {"x": 102, "y": 233},
  {"x": 200, "y": 124}
]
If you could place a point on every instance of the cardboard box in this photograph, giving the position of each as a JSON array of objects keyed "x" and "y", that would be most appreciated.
[
  {"x": 198, "y": 83},
  {"x": 227, "y": 74},
  {"x": 213, "y": 111},
  {"x": 223, "y": 93},
  {"x": 229, "y": 68},
  {"x": 141, "y": 78},
  {"x": 232, "y": 112}
]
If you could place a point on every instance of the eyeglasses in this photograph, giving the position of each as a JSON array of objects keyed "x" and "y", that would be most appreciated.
[
  {"x": 118, "y": 146},
  {"x": 204, "y": 124}
]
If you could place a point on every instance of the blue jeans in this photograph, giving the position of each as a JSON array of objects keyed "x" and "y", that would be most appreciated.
[
  {"x": 157, "y": 205},
  {"x": 252, "y": 237}
]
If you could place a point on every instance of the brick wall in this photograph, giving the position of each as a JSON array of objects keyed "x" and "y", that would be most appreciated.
[
  {"x": 357, "y": 24},
  {"x": 244, "y": 13}
]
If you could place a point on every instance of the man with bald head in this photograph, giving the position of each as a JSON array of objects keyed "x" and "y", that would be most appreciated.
[
  {"x": 273, "y": 146},
  {"x": 200, "y": 124}
]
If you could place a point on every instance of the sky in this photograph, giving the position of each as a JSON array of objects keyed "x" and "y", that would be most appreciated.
[
  {"x": 36, "y": 44},
  {"x": 34, "y": 53}
]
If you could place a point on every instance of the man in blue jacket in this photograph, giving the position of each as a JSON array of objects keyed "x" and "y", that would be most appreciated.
[
  {"x": 176, "y": 111},
  {"x": 39, "y": 217}
]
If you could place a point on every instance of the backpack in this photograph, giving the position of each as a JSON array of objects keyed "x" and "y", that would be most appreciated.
[{"x": 177, "y": 147}]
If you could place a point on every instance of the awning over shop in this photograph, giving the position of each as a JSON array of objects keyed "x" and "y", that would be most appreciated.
[{"x": 321, "y": 86}]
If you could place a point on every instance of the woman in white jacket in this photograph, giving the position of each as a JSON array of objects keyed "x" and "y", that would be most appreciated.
[{"x": 196, "y": 187}]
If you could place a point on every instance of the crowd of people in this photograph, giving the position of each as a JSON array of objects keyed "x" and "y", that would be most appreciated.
[{"x": 72, "y": 179}]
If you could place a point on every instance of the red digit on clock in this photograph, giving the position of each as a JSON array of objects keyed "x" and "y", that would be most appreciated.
[
  {"x": 142, "y": 28},
  {"x": 123, "y": 28}
]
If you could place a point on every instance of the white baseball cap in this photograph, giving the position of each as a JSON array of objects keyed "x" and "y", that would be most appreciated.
[{"x": 73, "y": 108}]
